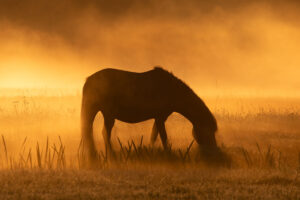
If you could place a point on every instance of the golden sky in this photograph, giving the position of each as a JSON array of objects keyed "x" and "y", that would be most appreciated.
[{"x": 215, "y": 46}]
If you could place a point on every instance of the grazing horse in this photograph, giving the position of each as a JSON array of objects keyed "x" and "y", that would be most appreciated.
[{"x": 134, "y": 97}]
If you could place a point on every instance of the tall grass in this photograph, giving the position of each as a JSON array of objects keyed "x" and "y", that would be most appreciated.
[{"x": 53, "y": 157}]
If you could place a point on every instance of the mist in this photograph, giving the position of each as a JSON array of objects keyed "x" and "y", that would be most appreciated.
[{"x": 236, "y": 47}]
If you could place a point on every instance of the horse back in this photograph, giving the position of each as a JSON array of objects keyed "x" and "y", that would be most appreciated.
[{"x": 120, "y": 89}]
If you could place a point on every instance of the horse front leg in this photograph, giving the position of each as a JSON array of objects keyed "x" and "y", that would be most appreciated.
[{"x": 162, "y": 133}]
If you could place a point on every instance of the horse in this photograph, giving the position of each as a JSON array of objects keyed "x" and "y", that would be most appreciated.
[{"x": 134, "y": 97}]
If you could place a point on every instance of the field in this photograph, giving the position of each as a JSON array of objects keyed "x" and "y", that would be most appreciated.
[{"x": 40, "y": 137}]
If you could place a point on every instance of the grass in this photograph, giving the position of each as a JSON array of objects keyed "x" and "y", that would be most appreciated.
[
  {"x": 149, "y": 183},
  {"x": 40, "y": 156},
  {"x": 53, "y": 157}
]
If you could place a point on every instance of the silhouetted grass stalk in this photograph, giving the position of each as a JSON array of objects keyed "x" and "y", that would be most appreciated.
[{"x": 54, "y": 156}]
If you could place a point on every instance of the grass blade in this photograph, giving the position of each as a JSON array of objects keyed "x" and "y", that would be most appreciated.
[{"x": 5, "y": 149}]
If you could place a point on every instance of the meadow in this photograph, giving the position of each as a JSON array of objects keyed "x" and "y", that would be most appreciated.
[{"x": 40, "y": 157}]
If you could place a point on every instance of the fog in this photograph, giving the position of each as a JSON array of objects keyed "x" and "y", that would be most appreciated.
[{"x": 217, "y": 47}]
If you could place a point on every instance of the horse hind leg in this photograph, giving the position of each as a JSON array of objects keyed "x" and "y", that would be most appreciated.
[
  {"x": 154, "y": 133},
  {"x": 106, "y": 132},
  {"x": 88, "y": 114}
]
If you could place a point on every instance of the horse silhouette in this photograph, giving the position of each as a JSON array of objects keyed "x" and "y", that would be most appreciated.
[{"x": 134, "y": 97}]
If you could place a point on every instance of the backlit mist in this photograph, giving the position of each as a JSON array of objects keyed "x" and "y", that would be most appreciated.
[{"x": 234, "y": 47}]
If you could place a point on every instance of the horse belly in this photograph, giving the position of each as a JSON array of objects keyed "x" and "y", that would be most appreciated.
[{"x": 134, "y": 115}]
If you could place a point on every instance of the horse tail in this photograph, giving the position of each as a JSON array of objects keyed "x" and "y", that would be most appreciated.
[{"x": 88, "y": 113}]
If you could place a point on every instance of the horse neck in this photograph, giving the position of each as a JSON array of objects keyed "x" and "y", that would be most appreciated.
[
  {"x": 190, "y": 107},
  {"x": 195, "y": 110}
]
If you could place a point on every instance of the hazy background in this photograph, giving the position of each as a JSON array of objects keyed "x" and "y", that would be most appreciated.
[{"x": 218, "y": 46}]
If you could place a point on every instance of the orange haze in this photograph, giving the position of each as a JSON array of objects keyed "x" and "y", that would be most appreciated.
[{"x": 246, "y": 47}]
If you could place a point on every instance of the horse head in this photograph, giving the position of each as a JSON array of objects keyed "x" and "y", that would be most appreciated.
[{"x": 205, "y": 136}]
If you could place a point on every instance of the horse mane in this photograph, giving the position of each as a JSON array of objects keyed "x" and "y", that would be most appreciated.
[{"x": 174, "y": 78}]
